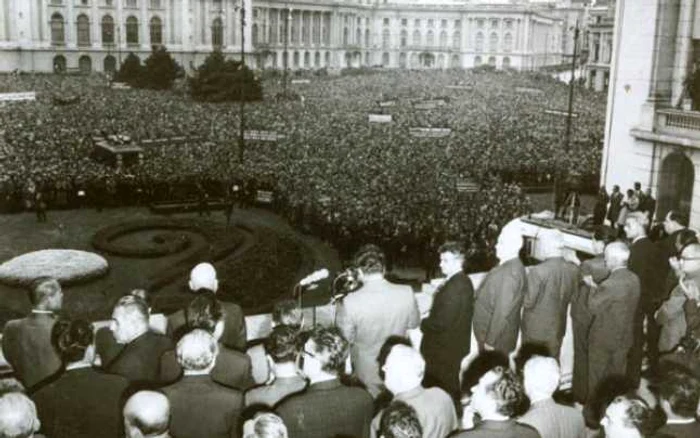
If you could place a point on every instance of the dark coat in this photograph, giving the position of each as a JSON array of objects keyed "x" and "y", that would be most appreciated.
[
  {"x": 82, "y": 402},
  {"x": 139, "y": 360},
  {"x": 610, "y": 337},
  {"x": 327, "y": 409},
  {"x": 581, "y": 319},
  {"x": 447, "y": 332},
  {"x": 648, "y": 263},
  {"x": 200, "y": 407},
  {"x": 500, "y": 429},
  {"x": 497, "y": 306},
  {"x": 232, "y": 368},
  {"x": 615, "y": 207},
  {"x": 235, "y": 335},
  {"x": 550, "y": 286},
  {"x": 26, "y": 345}
]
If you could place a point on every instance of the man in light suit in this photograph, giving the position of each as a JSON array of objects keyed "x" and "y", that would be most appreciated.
[
  {"x": 541, "y": 378},
  {"x": 550, "y": 286},
  {"x": 377, "y": 310},
  {"x": 26, "y": 342},
  {"x": 201, "y": 407},
  {"x": 447, "y": 329},
  {"x": 613, "y": 305},
  {"x": 500, "y": 296},
  {"x": 203, "y": 278}
]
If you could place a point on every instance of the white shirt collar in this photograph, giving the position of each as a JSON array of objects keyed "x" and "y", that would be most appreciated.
[
  {"x": 680, "y": 421},
  {"x": 42, "y": 312}
]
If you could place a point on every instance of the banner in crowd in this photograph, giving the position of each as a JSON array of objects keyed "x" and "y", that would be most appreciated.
[
  {"x": 460, "y": 87},
  {"x": 301, "y": 81},
  {"x": 387, "y": 103},
  {"x": 380, "y": 118},
  {"x": 556, "y": 112},
  {"x": 16, "y": 97},
  {"x": 121, "y": 86},
  {"x": 430, "y": 132},
  {"x": 264, "y": 196},
  {"x": 466, "y": 185},
  {"x": 170, "y": 140},
  {"x": 425, "y": 105},
  {"x": 528, "y": 90},
  {"x": 257, "y": 135}
]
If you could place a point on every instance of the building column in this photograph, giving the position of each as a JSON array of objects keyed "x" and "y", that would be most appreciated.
[{"x": 684, "y": 49}]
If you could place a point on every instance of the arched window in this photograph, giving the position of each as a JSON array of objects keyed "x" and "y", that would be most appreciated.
[
  {"x": 402, "y": 60},
  {"x": 346, "y": 36},
  {"x": 305, "y": 28},
  {"x": 110, "y": 64},
  {"x": 456, "y": 40},
  {"x": 317, "y": 60},
  {"x": 83, "y": 25},
  {"x": 155, "y": 4},
  {"x": 455, "y": 62},
  {"x": 307, "y": 60},
  {"x": 479, "y": 42},
  {"x": 107, "y": 30},
  {"x": 254, "y": 34},
  {"x": 296, "y": 59},
  {"x": 358, "y": 36},
  {"x": 492, "y": 61},
  {"x": 404, "y": 38},
  {"x": 132, "y": 30},
  {"x": 386, "y": 38},
  {"x": 477, "y": 61},
  {"x": 85, "y": 64},
  {"x": 416, "y": 37},
  {"x": 508, "y": 42},
  {"x": 58, "y": 31},
  {"x": 431, "y": 39},
  {"x": 328, "y": 59},
  {"x": 443, "y": 39},
  {"x": 366, "y": 37},
  {"x": 156, "y": 31},
  {"x": 217, "y": 33},
  {"x": 493, "y": 42},
  {"x": 385, "y": 59},
  {"x": 59, "y": 64},
  {"x": 131, "y": 3},
  {"x": 506, "y": 62}
]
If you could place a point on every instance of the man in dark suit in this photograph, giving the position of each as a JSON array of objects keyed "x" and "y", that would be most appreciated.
[
  {"x": 139, "y": 360},
  {"x": 377, "y": 310},
  {"x": 146, "y": 414},
  {"x": 80, "y": 401},
  {"x": 498, "y": 398},
  {"x": 500, "y": 295},
  {"x": 616, "y": 198},
  {"x": 26, "y": 342},
  {"x": 447, "y": 329},
  {"x": 648, "y": 264},
  {"x": 327, "y": 408},
  {"x": 232, "y": 368},
  {"x": 201, "y": 407},
  {"x": 674, "y": 224},
  {"x": 679, "y": 394},
  {"x": 203, "y": 278},
  {"x": 550, "y": 287},
  {"x": 613, "y": 304}
]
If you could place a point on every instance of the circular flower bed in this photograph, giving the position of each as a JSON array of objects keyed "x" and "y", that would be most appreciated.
[
  {"x": 162, "y": 244},
  {"x": 66, "y": 265}
]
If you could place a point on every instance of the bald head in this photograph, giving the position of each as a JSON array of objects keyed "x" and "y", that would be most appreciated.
[
  {"x": 203, "y": 276},
  {"x": 18, "y": 416},
  {"x": 404, "y": 369},
  {"x": 146, "y": 414},
  {"x": 541, "y": 377},
  {"x": 616, "y": 255}
]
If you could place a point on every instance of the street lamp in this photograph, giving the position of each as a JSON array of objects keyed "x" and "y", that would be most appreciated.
[
  {"x": 241, "y": 97},
  {"x": 285, "y": 56}
]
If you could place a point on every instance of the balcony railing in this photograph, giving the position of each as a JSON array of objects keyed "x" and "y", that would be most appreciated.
[{"x": 676, "y": 119}]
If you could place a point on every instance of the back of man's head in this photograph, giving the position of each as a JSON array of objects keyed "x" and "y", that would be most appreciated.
[
  {"x": 679, "y": 390},
  {"x": 204, "y": 312},
  {"x": 617, "y": 255},
  {"x": 197, "y": 351},
  {"x": 203, "y": 276},
  {"x": 71, "y": 339},
  {"x": 400, "y": 420},
  {"x": 18, "y": 417},
  {"x": 287, "y": 312},
  {"x": 678, "y": 217},
  {"x": 332, "y": 346},
  {"x": 283, "y": 344},
  {"x": 404, "y": 369},
  {"x": 146, "y": 414},
  {"x": 132, "y": 312},
  {"x": 45, "y": 293},
  {"x": 370, "y": 259},
  {"x": 452, "y": 247},
  {"x": 265, "y": 425},
  {"x": 541, "y": 377}
]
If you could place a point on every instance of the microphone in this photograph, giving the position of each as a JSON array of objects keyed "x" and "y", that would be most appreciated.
[{"x": 314, "y": 277}]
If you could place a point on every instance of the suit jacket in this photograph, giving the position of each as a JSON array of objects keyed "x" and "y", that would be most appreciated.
[
  {"x": 232, "y": 368},
  {"x": 26, "y": 344},
  {"x": 550, "y": 286},
  {"x": 139, "y": 360},
  {"x": 82, "y": 402},
  {"x": 235, "y": 335},
  {"x": 497, "y": 306},
  {"x": 647, "y": 262},
  {"x": 671, "y": 319},
  {"x": 499, "y": 429},
  {"x": 273, "y": 393},
  {"x": 447, "y": 329},
  {"x": 327, "y": 409},
  {"x": 200, "y": 407},
  {"x": 673, "y": 430},
  {"x": 553, "y": 420},
  {"x": 367, "y": 317},
  {"x": 615, "y": 206}
]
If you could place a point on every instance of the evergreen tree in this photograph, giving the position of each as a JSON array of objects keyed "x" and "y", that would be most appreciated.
[
  {"x": 219, "y": 80},
  {"x": 161, "y": 70},
  {"x": 131, "y": 71}
]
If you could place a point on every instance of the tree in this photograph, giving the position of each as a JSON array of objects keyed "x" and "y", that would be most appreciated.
[
  {"x": 220, "y": 80},
  {"x": 131, "y": 71},
  {"x": 161, "y": 70}
]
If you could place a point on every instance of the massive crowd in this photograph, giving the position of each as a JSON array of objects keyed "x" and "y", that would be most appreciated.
[{"x": 332, "y": 168}]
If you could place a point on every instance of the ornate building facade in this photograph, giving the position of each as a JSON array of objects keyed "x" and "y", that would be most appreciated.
[
  {"x": 601, "y": 20},
  {"x": 95, "y": 35}
]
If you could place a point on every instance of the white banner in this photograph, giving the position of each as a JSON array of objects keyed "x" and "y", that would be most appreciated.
[
  {"x": 425, "y": 105},
  {"x": 528, "y": 90},
  {"x": 460, "y": 87},
  {"x": 261, "y": 135},
  {"x": 387, "y": 103},
  {"x": 430, "y": 132},
  {"x": 301, "y": 81},
  {"x": 560, "y": 113},
  {"x": 380, "y": 118},
  {"x": 14, "y": 97}
]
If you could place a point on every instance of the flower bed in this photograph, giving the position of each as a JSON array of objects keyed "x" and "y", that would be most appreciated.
[
  {"x": 163, "y": 244},
  {"x": 66, "y": 265}
]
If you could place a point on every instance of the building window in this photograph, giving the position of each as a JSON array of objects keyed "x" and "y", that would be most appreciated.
[
  {"x": 443, "y": 24},
  {"x": 416, "y": 23},
  {"x": 85, "y": 2},
  {"x": 456, "y": 40},
  {"x": 404, "y": 38},
  {"x": 431, "y": 39},
  {"x": 56, "y": 2},
  {"x": 477, "y": 61},
  {"x": 85, "y": 64},
  {"x": 83, "y": 25},
  {"x": 479, "y": 42},
  {"x": 492, "y": 61},
  {"x": 218, "y": 5},
  {"x": 386, "y": 38},
  {"x": 346, "y": 36},
  {"x": 416, "y": 37},
  {"x": 316, "y": 37},
  {"x": 155, "y": 4},
  {"x": 108, "y": 2},
  {"x": 386, "y": 22},
  {"x": 506, "y": 62},
  {"x": 385, "y": 59},
  {"x": 107, "y": 30},
  {"x": 366, "y": 37},
  {"x": 58, "y": 32},
  {"x": 132, "y": 3},
  {"x": 509, "y": 24},
  {"x": 217, "y": 33},
  {"x": 358, "y": 36},
  {"x": 443, "y": 39},
  {"x": 305, "y": 25},
  {"x": 59, "y": 64},
  {"x": 431, "y": 23},
  {"x": 254, "y": 34},
  {"x": 508, "y": 42},
  {"x": 493, "y": 42},
  {"x": 458, "y": 24},
  {"x": 404, "y": 22},
  {"x": 494, "y": 24},
  {"x": 132, "y": 30},
  {"x": 307, "y": 60},
  {"x": 110, "y": 64},
  {"x": 156, "y": 31},
  {"x": 480, "y": 23}
]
